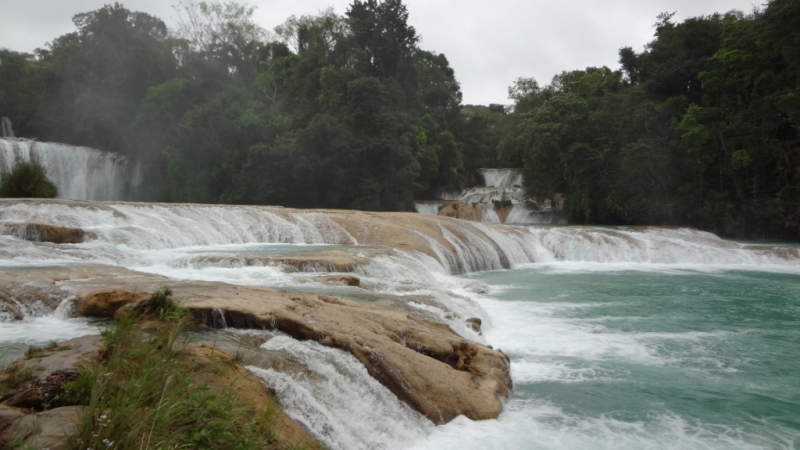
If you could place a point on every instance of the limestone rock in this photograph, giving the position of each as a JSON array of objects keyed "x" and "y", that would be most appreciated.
[
  {"x": 39, "y": 232},
  {"x": 107, "y": 303},
  {"x": 48, "y": 369},
  {"x": 40, "y": 394},
  {"x": 424, "y": 363},
  {"x": 341, "y": 280},
  {"x": 464, "y": 211},
  {"x": 47, "y": 429}
]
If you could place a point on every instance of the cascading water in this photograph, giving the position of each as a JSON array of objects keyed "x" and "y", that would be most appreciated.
[
  {"x": 338, "y": 401},
  {"x": 8, "y": 130},
  {"x": 429, "y": 208},
  {"x": 567, "y": 348},
  {"x": 120, "y": 229},
  {"x": 501, "y": 199},
  {"x": 79, "y": 173},
  {"x": 502, "y": 178}
]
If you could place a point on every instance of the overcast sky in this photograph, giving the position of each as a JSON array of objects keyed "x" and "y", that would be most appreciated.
[{"x": 489, "y": 43}]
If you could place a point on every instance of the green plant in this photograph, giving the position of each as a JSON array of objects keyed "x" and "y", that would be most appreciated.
[
  {"x": 79, "y": 392},
  {"x": 146, "y": 392},
  {"x": 162, "y": 304},
  {"x": 27, "y": 179}
]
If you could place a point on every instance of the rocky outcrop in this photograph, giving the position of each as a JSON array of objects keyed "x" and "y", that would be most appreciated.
[
  {"x": 424, "y": 363},
  {"x": 45, "y": 368},
  {"x": 475, "y": 323},
  {"x": 342, "y": 280},
  {"x": 27, "y": 420},
  {"x": 39, "y": 232},
  {"x": 107, "y": 303},
  {"x": 463, "y": 211},
  {"x": 47, "y": 429}
]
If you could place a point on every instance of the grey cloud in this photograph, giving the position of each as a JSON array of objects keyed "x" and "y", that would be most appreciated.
[{"x": 489, "y": 44}]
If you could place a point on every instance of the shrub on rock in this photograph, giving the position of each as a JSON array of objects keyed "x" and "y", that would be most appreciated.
[{"x": 27, "y": 180}]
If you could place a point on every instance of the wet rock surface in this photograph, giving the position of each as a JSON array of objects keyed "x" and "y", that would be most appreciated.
[{"x": 423, "y": 362}]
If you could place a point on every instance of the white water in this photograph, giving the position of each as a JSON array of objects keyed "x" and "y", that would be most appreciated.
[
  {"x": 499, "y": 185},
  {"x": 80, "y": 173},
  {"x": 502, "y": 178},
  {"x": 341, "y": 404},
  {"x": 344, "y": 407},
  {"x": 39, "y": 327},
  {"x": 428, "y": 208}
]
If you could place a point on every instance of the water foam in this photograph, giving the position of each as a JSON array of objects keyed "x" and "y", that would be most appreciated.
[
  {"x": 343, "y": 406},
  {"x": 541, "y": 425}
]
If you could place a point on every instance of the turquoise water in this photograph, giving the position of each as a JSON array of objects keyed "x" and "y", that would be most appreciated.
[{"x": 631, "y": 359}]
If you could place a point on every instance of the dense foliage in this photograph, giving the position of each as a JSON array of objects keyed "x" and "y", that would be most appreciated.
[
  {"x": 700, "y": 128},
  {"x": 329, "y": 111},
  {"x": 27, "y": 180}
]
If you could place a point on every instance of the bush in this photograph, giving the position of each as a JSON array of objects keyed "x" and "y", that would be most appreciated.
[{"x": 27, "y": 180}]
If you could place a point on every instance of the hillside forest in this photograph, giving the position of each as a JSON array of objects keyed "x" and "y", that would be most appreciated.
[{"x": 699, "y": 128}]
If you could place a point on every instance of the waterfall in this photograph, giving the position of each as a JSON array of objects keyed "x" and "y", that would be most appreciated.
[
  {"x": 502, "y": 178},
  {"x": 80, "y": 173},
  {"x": 501, "y": 199},
  {"x": 338, "y": 401},
  {"x": 117, "y": 229},
  {"x": 8, "y": 130},
  {"x": 428, "y": 208}
]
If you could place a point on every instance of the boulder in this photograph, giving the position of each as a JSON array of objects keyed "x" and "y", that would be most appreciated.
[
  {"x": 341, "y": 280},
  {"x": 108, "y": 303},
  {"x": 475, "y": 323},
  {"x": 39, "y": 232},
  {"x": 463, "y": 211}
]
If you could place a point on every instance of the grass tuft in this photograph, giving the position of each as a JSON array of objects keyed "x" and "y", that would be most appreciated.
[{"x": 147, "y": 393}]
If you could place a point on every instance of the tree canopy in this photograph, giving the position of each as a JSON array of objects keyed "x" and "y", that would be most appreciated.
[
  {"x": 327, "y": 111},
  {"x": 700, "y": 128}
]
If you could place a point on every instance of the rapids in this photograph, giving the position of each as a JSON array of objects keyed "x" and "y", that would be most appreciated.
[{"x": 570, "y": 305}]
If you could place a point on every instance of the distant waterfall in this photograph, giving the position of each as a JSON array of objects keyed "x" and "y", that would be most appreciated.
[
  {"x": 8, "y": 130},
  {"x": 502, "y": 199},
  {"x": 502, "y": 178},
  {"x": 80, "y": 173}
]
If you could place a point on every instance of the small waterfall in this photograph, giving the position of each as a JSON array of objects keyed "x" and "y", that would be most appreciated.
[
  {"x": 80, "y": 173},
  {"x": 338, "y": 401},
  {"x": 525, "y": 216},
  {"x": 428, "y": 208},
  {"x": 502, "y": 178},
  {"x": 8, "y": 131},
  {"x": 502, "y": 199},
  {"x": 149, "y": 226}
]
